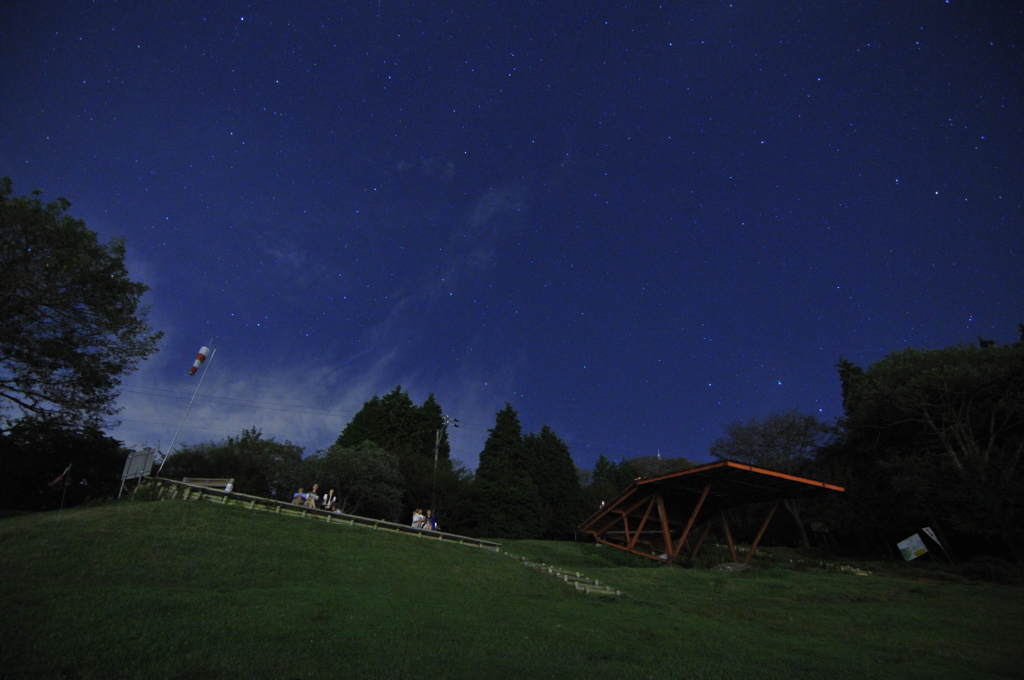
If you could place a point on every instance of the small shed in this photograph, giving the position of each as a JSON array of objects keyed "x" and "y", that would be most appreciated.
[{"x": 658, "y": 517}]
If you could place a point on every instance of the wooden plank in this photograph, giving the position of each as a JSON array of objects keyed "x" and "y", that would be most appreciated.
[{"x": 280, "y": 507}]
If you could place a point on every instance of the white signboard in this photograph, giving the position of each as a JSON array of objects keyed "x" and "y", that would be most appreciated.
[
  {"x": 912, "y": 547},
  {"x": 139, "y": 464}
]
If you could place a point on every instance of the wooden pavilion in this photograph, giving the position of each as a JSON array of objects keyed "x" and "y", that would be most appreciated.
[{"x": 655, "y": 517}]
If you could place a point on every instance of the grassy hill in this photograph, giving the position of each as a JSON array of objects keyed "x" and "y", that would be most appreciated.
[{"x": 195, "y": 590}]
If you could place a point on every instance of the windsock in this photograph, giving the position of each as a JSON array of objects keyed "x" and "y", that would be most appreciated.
[{"x": 200, "y": 358}]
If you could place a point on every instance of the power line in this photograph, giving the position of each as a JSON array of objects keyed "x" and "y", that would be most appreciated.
[
  {"x": 235, "y": 401},
  {"x": 578, "y": 444},
  {"x": 195, "y": 427}
]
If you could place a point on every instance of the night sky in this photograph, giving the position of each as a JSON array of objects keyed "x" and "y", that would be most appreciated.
[{"x": 636, "y": 223}]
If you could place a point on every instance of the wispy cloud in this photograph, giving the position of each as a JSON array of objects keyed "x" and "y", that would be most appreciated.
[
  {"x": 310, "y": 402},
  {"x": 308, "y": 405}
]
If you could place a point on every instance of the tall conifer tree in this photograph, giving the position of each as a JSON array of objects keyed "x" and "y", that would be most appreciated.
[
  {"x": 550, "y": 466},
  {"x": 508, "y": 502}
]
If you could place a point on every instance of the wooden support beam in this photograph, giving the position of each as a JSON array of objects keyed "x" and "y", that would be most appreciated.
[
  {"x": 689, "y": 523},
  {"x": 666, "y": 532},
  {"x": 621, "y": 518},
  {"x": 622, "y": 547},
  {"x": 639, "y": 529},
  {"x": 606, "y": 527},
  {"x": 703, "y": 535},
  {"x": 753, "y": 546},
  {"x": 625, "y": 528},
  {"x": 593, "y": 520},
  {"x": 728, "y": 536},
  {"x": 630, "y": 509}
]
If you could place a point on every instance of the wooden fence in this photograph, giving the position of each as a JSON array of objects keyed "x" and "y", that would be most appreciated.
[{"x": 168, "y": 489}]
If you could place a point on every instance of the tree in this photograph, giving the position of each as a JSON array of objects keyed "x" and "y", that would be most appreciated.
[
  {"x": 453, "y": 505},
  {"x": 550, "y": 466},
  {"x": 655, "y": 466},
  {"x": 260, "y": 467},
  {"x": 785, "y": 442},
  {"x": 508, "y": 503},
  {"x": 607, "y": 481},
  {"x": 407, "y": 431},
  {"x": 366, "y": 479},
  {"x": 35, "y": 452},
  {"x": 937, "y": 437},
  {"x": 72, "y": 319}
]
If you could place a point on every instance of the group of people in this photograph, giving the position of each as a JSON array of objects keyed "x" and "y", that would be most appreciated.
[
  {"x": 328, "y": 501},
  {"x": 313, "y": 500},
  {"x": 421, "y": 521}
]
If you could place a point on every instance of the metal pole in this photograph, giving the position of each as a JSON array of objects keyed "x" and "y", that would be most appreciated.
[
  {"x": 445, "y": 420},
  {"x": 433, "y": 492},
  {"x": 175, "y": 437},
  {"x": 67, "y": 477}
]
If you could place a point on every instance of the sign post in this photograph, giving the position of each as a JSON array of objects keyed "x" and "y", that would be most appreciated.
[
  {"x": 912, "y": 547},
  {"x": 139, "y": 464}
]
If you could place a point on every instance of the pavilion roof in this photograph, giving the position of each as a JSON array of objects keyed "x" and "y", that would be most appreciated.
[{"x": 691, "y": 497}]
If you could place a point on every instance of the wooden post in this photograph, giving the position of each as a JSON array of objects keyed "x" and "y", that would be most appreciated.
[
  {"x": 693, "y": 517},
  {"x": 728, "y": 536},
  {"x": 753, "y": 546}
]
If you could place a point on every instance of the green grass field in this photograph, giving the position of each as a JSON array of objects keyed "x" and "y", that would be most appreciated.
[{"x": 183, "y": 589}]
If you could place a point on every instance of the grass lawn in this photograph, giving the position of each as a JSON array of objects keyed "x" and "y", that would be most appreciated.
[{"x": 182, "y": 589}]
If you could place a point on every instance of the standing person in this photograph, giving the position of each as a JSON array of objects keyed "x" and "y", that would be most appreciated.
[
  {"x": 418, "y": 518},
  {"x": 329, "y": 500}
]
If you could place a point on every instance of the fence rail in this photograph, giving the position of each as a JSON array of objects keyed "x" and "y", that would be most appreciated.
[{"x": 169, "y": 489}]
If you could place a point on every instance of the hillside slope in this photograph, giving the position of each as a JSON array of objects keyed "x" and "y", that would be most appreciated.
[{"x": 184, "y": 589}]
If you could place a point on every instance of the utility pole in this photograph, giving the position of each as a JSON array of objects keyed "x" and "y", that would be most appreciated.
[{"x": 446, "y": 420}]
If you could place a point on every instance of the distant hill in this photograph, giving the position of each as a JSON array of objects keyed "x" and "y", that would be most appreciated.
[{"x": 653, "y": 466}]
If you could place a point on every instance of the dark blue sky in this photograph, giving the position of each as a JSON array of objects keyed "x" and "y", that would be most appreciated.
[{"x": 635, "y": 223}]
